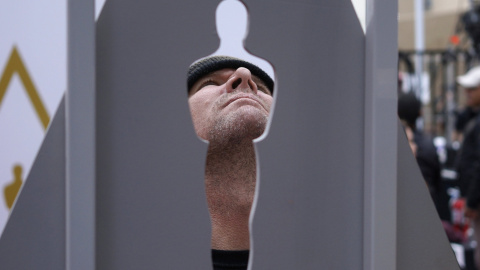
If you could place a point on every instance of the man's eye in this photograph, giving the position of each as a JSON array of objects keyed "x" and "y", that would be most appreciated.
[
  {"x": 264, "y": 89},
  {"x": 207, "y": 83}
]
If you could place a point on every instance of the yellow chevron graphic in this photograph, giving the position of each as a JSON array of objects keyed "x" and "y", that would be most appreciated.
[{"x": 15, "y": 64}]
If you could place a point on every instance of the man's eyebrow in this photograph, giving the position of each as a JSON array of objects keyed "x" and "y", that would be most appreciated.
[
  {"x": 209, "y": 76},
  {"x": 217, "y": 74}
]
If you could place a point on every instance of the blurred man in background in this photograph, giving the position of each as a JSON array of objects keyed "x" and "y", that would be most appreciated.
[{"x": 468, "y": 165}]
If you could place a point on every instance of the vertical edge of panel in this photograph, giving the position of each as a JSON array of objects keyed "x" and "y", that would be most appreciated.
[
  {"x": 80, "y": 136},
  {"x": 380, "y": 192}
]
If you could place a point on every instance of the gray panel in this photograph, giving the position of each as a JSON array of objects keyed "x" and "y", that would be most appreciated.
[
  {"x": 151, "y": 205},
  {"x": 34, "y": 237},
  {"x": 80, "y": 137},
  {"x": 422, "y": 242},
  {"x": 380, "y": 202},
  {"x": 310, "y": 203}
]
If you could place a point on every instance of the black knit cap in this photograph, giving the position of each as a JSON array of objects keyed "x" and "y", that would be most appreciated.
[{"x": 213, "y": 63}]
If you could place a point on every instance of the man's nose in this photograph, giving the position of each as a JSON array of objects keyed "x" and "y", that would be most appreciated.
[{"x": 241, "y": 80}]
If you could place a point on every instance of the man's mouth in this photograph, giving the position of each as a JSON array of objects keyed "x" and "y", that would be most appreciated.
[{"x": 245, "y": 96}]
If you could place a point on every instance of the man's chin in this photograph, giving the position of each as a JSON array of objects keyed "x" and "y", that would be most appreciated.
[{"x": 237, "y": 127}]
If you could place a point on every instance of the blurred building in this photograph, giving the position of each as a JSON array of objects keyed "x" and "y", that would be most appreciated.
[
  {"x": 448, "y": 53},
  {"x": 441, "y": 18}
]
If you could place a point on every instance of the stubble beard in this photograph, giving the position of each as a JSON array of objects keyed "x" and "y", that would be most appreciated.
[{"x": 241, "y": 126}]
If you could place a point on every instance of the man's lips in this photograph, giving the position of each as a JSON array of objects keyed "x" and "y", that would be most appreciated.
[{"x": 245, "y": 96}]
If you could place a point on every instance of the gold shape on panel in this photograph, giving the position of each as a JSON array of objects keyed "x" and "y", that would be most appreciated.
[
  {"x": 11, "y": 190},
  {"x": 15, "y": 64}
]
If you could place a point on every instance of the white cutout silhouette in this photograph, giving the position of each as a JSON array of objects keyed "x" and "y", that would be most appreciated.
[{"x": 232, "y": 29}]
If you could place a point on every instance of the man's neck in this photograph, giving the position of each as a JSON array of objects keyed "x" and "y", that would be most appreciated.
[{"x": 230, "y": 179}]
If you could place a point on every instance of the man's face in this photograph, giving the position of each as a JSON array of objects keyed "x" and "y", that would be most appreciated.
[
  {"x": 229, "y": 104},
  {"x": 473, "y": 96}
]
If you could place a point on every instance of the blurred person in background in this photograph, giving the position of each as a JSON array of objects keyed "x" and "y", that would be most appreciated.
[{"x": 468, "y": 163}]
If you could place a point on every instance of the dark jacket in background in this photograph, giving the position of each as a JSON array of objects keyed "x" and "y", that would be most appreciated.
[
  {"x": 468, "y": 163},
  {"x": 427, "y": 159},
  {"x": 429, "y": 163}
]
